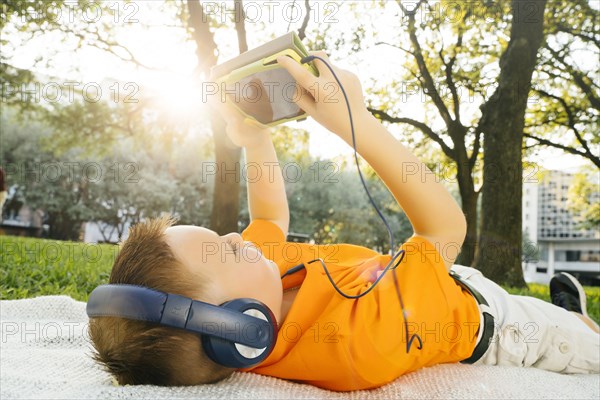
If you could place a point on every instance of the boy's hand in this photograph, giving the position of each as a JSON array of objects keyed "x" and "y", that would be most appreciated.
[
  {"x": 322, "y": 98},
  {"x": 241, "y": 133}
]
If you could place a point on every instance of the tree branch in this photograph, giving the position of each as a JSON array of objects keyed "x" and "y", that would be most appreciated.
[
  {"x": 206, "y": 47},
  {"x": 382, "y": 115},
  {"x": 451, "y": 85},
  {"x": 578, "y": 77},
  {"x": 302, "y": 30},
  {"x": 448, "y": 67},
  {"x": 396, "y": 46},
  {"x": 570, "y": 117},
  {"x": 569, "y": 30},
  {"x": 476, "y": 147},
  {"x": 592, "y": 158},
  {"x": 240, "y": 26},
  {"x": 97, "y": 41},
  {"x": 418, "y": 54}
]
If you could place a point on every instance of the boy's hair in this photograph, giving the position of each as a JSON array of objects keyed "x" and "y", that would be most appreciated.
[{"x": 138, "y": 352}]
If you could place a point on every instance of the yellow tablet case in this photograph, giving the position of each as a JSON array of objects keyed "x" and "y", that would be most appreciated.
[{"x": 259, "y": 60}]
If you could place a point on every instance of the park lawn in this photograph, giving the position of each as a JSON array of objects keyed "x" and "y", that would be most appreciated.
[{"x": 38, "y": 267}]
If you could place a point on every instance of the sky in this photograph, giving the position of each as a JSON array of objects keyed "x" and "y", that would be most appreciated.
[{"x": 167, "y": 49}]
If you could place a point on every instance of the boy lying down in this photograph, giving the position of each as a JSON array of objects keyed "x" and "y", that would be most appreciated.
[{"x": 423, "y": 311}]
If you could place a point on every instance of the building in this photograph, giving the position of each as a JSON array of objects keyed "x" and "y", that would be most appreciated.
[
  {"x": 101, "y": 232},
  {"x": 26, "y": 222},
  {"x": 555, "y": 241}
]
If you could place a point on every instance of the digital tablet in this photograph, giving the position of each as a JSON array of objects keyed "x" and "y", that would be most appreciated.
[{"x": 261, "y": 89}]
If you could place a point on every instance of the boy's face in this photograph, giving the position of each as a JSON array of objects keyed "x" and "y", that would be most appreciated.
[{"x": 235, "y": 268}]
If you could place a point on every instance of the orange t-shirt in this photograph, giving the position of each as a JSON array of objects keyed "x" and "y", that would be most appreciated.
[{"x": 344, "y": 344}]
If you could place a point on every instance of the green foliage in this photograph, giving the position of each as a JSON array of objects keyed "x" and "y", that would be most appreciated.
[
  {"x": 92, "y": 127},
  {"x": 129, "y": 183},
  {"x": 584, "y": 200},
  {"x": 22, "y": 21},
  {"x": 564, "y": 106},
  {"x": 39, "y": 179},
  {"x": 13, "y": 78},
  {"x": 38, "y": 12},
  {"x": 170, "y": 174},
  {"x": 329, "y": 203},
  {"x": 36, "y": 267}
]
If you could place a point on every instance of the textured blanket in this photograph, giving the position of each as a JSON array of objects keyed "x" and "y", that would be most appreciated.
[{"x": 45, "y": 354}]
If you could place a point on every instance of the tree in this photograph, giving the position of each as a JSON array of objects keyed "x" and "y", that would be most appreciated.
[
  {"x": 567, "y": 108},
  {"x": 584, "y": 200},
  {"x": 226, "y": 195},
  {"x": 126, "y": 185},
  {"x": 40, "y": 180},
  {"x": 29, "y": 20},
  {"x": 435, "y": 69},
  {"x": 502, "y": 123},
  {"x": 455, "y": 64}
]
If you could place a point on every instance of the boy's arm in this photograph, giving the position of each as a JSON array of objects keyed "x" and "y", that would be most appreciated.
[
  {"x": 266, "y": 189},
  {"x": 432, "y": 211}
]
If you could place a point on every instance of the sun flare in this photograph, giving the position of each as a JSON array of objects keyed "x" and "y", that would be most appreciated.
[{"x": 178, "y": 96}]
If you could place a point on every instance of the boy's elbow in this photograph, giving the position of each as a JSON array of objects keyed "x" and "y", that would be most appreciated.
[
  {"x": 283, "y": 223},
  {"x": 453, "y": 226},
  {"x": 457, "y": 233}
]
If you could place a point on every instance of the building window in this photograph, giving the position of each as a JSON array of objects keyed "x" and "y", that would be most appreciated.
[
  {"x": 591, "y": 255},
  {"x": 573, "y": 255}
]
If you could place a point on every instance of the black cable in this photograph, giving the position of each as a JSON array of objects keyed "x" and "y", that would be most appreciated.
[
  {"x": 349, "y": 296},
  {"x": 362, "y": 179},
  {"x": 414, "y": 336}
]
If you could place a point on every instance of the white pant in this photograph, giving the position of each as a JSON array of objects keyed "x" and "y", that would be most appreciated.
[{"x": 529, "y": 332}]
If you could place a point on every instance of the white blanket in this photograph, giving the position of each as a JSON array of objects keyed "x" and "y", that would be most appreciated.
[{"x": 45, "y": 354}]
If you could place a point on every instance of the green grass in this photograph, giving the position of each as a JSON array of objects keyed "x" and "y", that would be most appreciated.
[{"x": 37, "y": 267}]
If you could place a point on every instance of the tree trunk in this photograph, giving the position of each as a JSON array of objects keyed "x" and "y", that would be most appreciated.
[
  {"x": 468, "y": 195},
  {"x": 502, "y": 121},
  {"x": 62, "y": 227},
  {"x": 226, "y": 194},
  {"x": 469, "y": 208}
]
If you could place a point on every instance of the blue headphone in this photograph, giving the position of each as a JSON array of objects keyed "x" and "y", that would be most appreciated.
[{"x": 238, "y": 334}]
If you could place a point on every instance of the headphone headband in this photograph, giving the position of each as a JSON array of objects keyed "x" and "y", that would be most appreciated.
[{"x": 145, "y": 304}]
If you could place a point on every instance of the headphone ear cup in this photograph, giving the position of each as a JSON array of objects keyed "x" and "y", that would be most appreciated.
[{"x": 235, "y": 355}]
